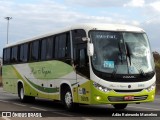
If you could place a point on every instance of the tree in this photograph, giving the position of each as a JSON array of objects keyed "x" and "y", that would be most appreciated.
[{"x": 156, "y": 56}]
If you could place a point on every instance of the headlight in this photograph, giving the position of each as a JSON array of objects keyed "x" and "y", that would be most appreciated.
[
  {"x": 152, "y": 87},
  {"x": 100, "y": 87}
]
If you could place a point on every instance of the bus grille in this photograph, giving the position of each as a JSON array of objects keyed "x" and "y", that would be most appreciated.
[
  {"x": 118, "y": 99},
  {"x": 139, "y": 90}
]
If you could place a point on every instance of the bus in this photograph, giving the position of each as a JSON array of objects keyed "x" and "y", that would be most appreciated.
[{"x": 82, "y": 64}]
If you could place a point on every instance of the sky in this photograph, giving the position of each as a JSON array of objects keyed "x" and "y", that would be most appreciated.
[{"x": 35, "y": 17}]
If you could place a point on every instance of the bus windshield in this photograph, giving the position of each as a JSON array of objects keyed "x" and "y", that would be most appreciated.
[{"x": 121, "y": 52}]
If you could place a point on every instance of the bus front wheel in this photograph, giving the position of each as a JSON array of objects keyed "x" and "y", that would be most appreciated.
[
  {"x": 68, "y": 100},
  {"x": 120, "y": 106}
]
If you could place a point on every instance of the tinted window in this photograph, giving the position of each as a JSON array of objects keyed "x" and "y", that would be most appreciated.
[
  {"x": 43, "y": 50},
  {"x": 82, "y": 57},
  {"x": 82, "y": 62},
  {"x": 62, "y": 45},
  {"x": 68, "y": 46},
  {"x": 56, "y": 47},
  {"x": 34, "y": 51},
  {"x": 6, "y": 56},
  {"x": 14, "y": 54},
  {"x": 23, "y": 53},
  {"x": 77, "y": 36},
  {"x": 47, "y": 48},
  {"x": 77, "y": 40}
]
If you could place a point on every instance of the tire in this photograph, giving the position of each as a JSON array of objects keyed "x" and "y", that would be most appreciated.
[
  {"x": 120, "y": 106},
  {"x": 68, "y": 100},
  {"x": 23, "y": 97}
]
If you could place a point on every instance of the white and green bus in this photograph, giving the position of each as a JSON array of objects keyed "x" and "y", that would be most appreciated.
[{"x": 84, "y": 64}]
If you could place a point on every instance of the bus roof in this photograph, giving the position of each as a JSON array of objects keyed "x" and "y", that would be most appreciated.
[{"x": 87, "y": 27}]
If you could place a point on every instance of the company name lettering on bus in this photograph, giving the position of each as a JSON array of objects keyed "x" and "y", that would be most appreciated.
[
  {"x": 42, "y": 70},
  {"x": 106, "y": 36},
  {"x": 118, "y": 86}
]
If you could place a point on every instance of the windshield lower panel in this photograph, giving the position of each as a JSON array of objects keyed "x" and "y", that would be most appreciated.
[{"x": 122, "y": 53}]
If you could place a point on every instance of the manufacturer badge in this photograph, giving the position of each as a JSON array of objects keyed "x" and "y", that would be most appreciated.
[{"x": 129, "y": 86}]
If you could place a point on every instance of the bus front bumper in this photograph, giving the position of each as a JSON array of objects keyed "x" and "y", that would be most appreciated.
[{"x": 113, "y": 97}]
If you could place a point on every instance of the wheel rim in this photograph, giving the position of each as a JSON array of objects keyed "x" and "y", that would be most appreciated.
[
  {"x": 22, "y": 93},
  {"x": 68, "y": 99}
]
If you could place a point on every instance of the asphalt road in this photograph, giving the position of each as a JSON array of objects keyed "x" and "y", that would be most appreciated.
[{"x": 50, "y": 110}]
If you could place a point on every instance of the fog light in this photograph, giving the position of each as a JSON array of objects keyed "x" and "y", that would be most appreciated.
[{"x": 98, "y": 97}]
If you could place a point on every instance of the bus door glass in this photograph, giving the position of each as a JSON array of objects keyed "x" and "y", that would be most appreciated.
[{"x": 81, "y": 65}]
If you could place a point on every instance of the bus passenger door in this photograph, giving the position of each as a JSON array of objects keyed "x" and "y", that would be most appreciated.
[{"x": 82, "y": 72}]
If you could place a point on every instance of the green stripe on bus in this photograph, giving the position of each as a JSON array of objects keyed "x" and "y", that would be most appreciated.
[{"x": 43, "y": 89}]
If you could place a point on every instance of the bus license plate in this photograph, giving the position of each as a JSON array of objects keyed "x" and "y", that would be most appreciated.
[{"x": 129, "y": 98}]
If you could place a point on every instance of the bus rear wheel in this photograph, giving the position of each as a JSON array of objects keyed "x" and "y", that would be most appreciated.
[
  {"x": 120, "y": 106},
  {"x": 68, "y": 100}
]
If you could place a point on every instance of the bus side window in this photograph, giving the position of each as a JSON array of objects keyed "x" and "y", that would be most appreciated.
[
  {"x": 14, "y": 55},
  {"x": 21, "y": 53},
  {"x": 77, "y": 35},
  {"x": 62, "y": 46},
  {"x": 68, "y": 46},
  {"x": 49, "y": 48},
  {"x": 34, "y": 51},
  {"x": 56, "y": 51},
  {"x": 43, "y": 49},
  {"x": 7, "y": 53},
  {"x": 4, "y": 56},
  {"x": 23, "y": 56}
]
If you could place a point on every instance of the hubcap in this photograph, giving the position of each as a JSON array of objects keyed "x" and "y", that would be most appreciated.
[
  {"x": 68, "y": 99},
  {"x": 22, "y": 93}
]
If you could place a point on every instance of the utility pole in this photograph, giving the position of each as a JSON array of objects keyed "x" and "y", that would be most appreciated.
[{"x": 8, "y": 18}]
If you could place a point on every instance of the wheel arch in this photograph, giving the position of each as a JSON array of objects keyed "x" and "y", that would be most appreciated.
[
  {"x": 20, "y": 83},
  {"x": 64, "y": 85}
]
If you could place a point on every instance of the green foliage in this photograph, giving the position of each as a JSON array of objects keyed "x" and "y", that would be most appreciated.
[{"x": 156, "y": 56}]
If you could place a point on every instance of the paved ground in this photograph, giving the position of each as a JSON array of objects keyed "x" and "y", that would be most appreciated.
[{"x": 54, "y": 110}]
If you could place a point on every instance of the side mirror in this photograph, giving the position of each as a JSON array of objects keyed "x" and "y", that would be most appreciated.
[
  {"x": 90, "y": 50},
  {"x": 86, "y": 39}
]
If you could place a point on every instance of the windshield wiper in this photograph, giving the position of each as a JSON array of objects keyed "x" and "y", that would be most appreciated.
[
  {"x": 122, "y": 55},
  {"x": 121, "y": 59},
  {"x": 128, "y": 54},
  {"x": 114, "y": 71},
  {"x": 142, "y": 72},
  {"x": 119, "y": 46}
]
